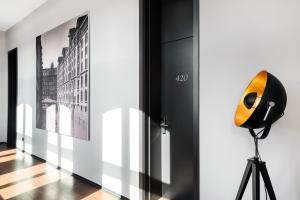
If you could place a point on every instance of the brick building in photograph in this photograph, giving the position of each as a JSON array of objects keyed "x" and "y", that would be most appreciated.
[
  {"x": 73, "y": 78},
  {"x": 49, "y": 85}
]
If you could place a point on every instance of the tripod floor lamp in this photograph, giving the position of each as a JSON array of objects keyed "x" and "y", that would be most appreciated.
[{"x": 262, "y": 103}]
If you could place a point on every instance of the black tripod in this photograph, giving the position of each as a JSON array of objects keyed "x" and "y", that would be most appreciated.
[{"x": 256, "y": 167}]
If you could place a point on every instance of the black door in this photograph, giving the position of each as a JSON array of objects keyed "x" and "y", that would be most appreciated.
[
  {"x": 177, "y": 99},
  {"x": 12, "y": 98},
  {"x": 177, "y": 118},
  {"x": 171, "y": 76}
]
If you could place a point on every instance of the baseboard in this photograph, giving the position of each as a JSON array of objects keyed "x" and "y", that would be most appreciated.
[
  {"x": 123, "y": 198},
  {"x": 86, "y": 180},
  {"x": 36, "y": 157},
  {"x": 98, "y": 186}
]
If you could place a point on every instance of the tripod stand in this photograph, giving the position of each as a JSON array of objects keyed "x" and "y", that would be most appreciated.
[{"x": 256, "y": 167}]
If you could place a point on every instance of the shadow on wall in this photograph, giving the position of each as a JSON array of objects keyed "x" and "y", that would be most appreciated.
[{"x": 120, "y": 141}]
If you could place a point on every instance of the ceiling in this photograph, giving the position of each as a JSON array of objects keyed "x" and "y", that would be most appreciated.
[{"x": 13, "y": 11}]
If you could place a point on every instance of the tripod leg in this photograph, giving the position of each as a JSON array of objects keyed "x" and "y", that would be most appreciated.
[
  {"x": 244, "y": 181},
  {"x": 266, "y": 178},
  {"x": 255, "y": 181}
]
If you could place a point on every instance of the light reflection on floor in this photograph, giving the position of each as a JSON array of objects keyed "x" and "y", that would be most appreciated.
[
  {"x": 7, "y": 152},
  {"x": 24, "y": 173},
  {"x": 20, "y": 181},
  {"x": 31, "y": 184},
  {"x": 11, "y": 157},
  {"x": 100, "y": 195}
]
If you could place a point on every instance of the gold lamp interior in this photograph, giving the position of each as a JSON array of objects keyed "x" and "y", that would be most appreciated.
[{"x": 258, "y": 85}]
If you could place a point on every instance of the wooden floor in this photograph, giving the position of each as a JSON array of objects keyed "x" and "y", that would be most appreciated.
[{"x": 24, "y": 177}]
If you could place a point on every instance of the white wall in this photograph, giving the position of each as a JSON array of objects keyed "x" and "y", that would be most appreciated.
[
  {"x": 114, "y": 87},
  {"x": 3, "y": 88},
  {"x": 237, "y": 40}
]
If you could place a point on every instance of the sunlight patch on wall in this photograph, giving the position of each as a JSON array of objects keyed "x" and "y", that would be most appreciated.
[
  {"x": 67, "y": 164},
  {"x": 20, "y": 125},
  {"x": 52, "y": 157},
  {"x": 28, "y": 120},
  {"x": 134, "y": 139},
  {"x": 64, "y": 120},
  {"x": 67, "y": 142},
  {"x": 19, "y": 143},
  {"x": 28, "y": 128},
  {"x": 20, "y": 118},
  {"x": 67, "y": 152},
  {"x": 112, "y": 183},
  {"x": 134, "y": 193},
  {"x": 52, "y": 154},
  {"x": 28, "y": 146},
  {"x": 165, "y": 157},
  {"x": 51, "y": 118},
  {"x": 112, "y": 137},
  {"x": 52, "y": 138}
]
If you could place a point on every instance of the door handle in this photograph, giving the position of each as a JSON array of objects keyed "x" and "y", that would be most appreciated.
[{"x": 164, "y": 124}]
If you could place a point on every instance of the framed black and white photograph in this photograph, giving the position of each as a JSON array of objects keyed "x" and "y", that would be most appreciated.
[{"x": 62, "y": 75}]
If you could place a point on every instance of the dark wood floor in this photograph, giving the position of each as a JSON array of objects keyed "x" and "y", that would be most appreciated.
[{"x": 24, "y": 177}]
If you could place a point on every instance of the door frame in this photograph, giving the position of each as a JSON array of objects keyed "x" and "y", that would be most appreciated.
[
  {"x": 12, "y": 75},
  {"x": 148, "y": 103}
]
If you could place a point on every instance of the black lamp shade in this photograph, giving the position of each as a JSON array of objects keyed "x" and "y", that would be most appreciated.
[{"x": 254, "y": 104}]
